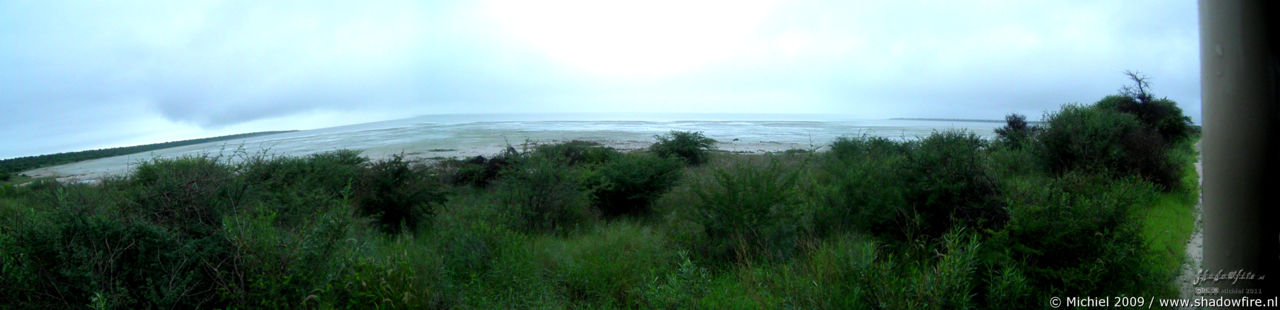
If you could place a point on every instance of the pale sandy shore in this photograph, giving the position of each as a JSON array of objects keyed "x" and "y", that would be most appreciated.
[
  {"x": 93, "y": 170},
  {"x": 450, "y": 136}
]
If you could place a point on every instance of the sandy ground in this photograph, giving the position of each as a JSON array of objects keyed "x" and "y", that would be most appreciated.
[
  {"x": 444, "y": 136},
  {"x": 1195, "y": 246},
  {"x": 93, "y": 170}
]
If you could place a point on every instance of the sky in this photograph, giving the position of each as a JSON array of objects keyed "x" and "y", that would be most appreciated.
[{"x": 78, "y": 75}]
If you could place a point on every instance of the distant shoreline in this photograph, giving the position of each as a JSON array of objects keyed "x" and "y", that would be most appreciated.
[
  {"x": 25, "y": 163},
  {"x": 430, "y": 138},
  {"x": 966, "y": 120}
]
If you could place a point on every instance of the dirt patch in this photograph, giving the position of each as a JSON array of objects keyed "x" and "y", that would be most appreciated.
[{"x": 1195, "y": 246}]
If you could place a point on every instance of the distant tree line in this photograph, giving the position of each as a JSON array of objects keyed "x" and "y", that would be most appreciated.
[{"x": 17, "y": 165}]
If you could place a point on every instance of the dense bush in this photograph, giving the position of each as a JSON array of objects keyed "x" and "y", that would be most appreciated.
[
  {"x": 864, "y": 186},
  {"x": 400, "y": 272},
  {"x": 848, "y": 272},
  {"x": 944, "y": 281},
  {"x": 1015, "y": 133},
  {"x": 948, "y": 182},
  {"x": 1102, "y": 140},
  {"x": 334, "y": 171},
  {"x": 630, "y": 182},
  {"x": 1159, "y": 115},
  {"x": 70, "y": 258},
  {"x": 283, "y": 264},
  {"x": 293, "y": 186},
  {"x": 750, "y": 211},
  {"x": 592, "y": 270},
  {"x": 1076, "y": 234},
  {"x": 1083, "y": 137},
  {"x": 905, "y": 190},
  {"x": 867, "y": 148},
  {"x": 1148, "y": 156},
  {"x": 471, "y": 231},
  {"x": 479, "y": 171},
  {"x": 189, "y": 193},
  {"x": 398, "y": 195},
  {"x": 548, "y": 196},
  {"x": 838, "y": 273},
  {"x": 678, "y": 289},
  {"x": 1010, "y": 163},
  {"x": 1007, "y": 285},
  {"x": 394, "y": 192},
  {"x": 329, "y": 172},
  {"x": 576, "y": 152},
  {"x": 844, "y": 271},
  {"x": 693, "y": 147}
]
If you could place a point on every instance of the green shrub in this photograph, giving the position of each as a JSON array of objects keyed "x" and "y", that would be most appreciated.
[
  {"x": 1008, "y": 162},
  {"x": 630, "y": 182},
  {"x": 189, "y": 194},
  {"x": 692, "y": 147},
  {"x": 1076, "y": 234},
  {"x": 1008, "y": 286},
  {"x": 334, "y": 171},
  {"x": 750, "y": 211},
  {"x": 852, "y": 273},
  {"x": 70, "y": 259},
  {"x": 1148, "y": 156},
  {"x": 281, "y": 265},
  {"x": 293, "y": 186},
  {"x": 547, "y": 196},
  {"x": 678, "y": 289},
  {"x": 948, "y": 182},
  {"x": 864, "y": 188},
  {"x": 593, "y": 269},
  {"x": 866, "y": 148},
  {"x": 739, "y": 290},
  {"x": 516, "y": 278},
  {"x": 1159, "y": 115},
  {"x": 8, "y": 191},
  {"x": 576, "y": 152},
  {"x": 468, "y": 234},
  {"x": 904, "y": 190},
  {"x": 400, "y": 272},
  {"x": 397, "y": 195},
  {"x": 479, "y": 171},
  {"x": 843, "y": 270},
  {"x": 1083, "y": 137},
  {"x": 1102, "y": 140},
  {"x": 839, "y": 273},
  {"x": 1015, "y": 132},
  {"x": 945, "y": 281}
]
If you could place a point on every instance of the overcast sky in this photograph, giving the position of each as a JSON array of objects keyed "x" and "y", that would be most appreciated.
[{"x": 86, "y": 74}]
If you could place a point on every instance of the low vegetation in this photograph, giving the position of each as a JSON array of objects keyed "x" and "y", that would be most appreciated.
[
  {"x": 692, "y": 147},
  {"x": 948, "y": 221}
]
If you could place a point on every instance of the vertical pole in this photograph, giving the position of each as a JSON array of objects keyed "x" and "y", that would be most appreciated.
[{"x": 1238, "y": 75}]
